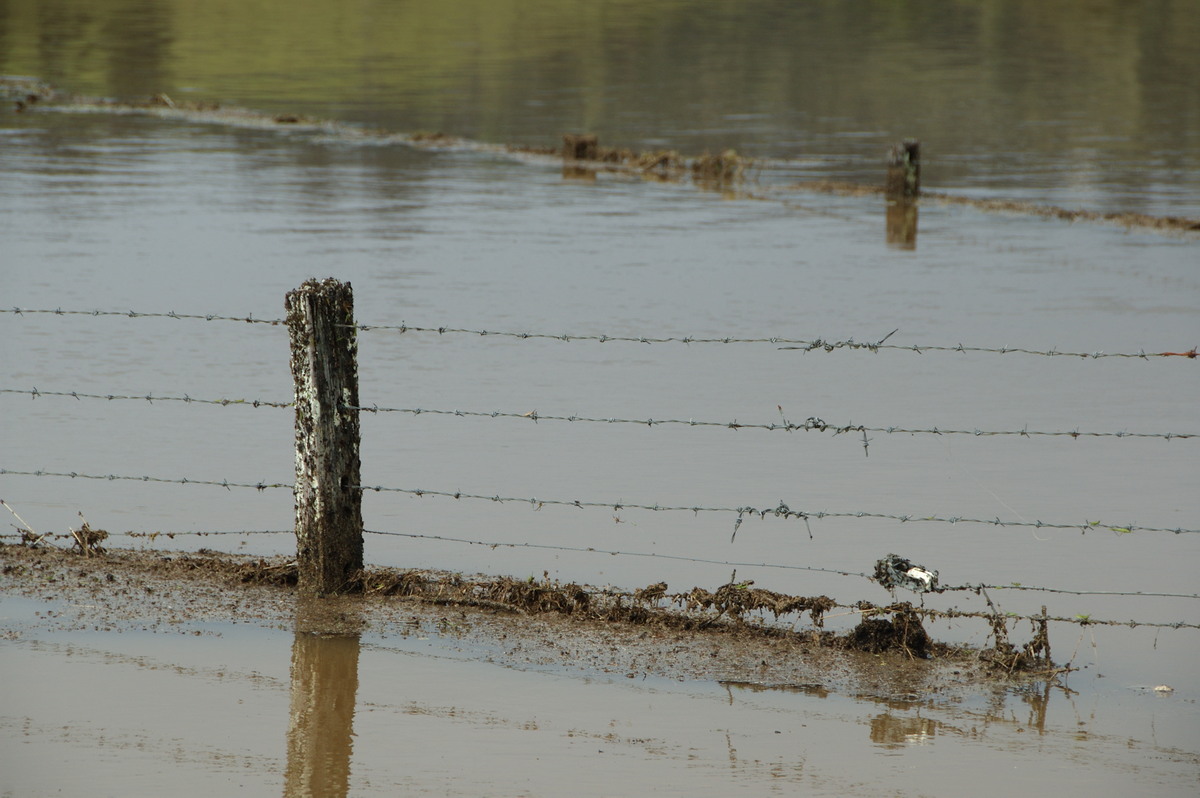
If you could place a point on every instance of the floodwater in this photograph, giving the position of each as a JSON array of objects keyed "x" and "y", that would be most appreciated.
[{"x": 1083, "y": 106}]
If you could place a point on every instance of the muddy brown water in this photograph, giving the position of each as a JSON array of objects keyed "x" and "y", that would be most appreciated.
[
  {"x": 109, "y": 660},
  {"x": 401, "y": 147}
]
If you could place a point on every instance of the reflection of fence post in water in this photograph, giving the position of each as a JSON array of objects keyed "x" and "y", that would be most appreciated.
[
  {"x": 902, "y": 188},
  {"x": 897, "y": 731},
  {"x": 324, "y": 689},
  {"x": 901, "y": 223},
  {"x": 329, "y": 543}
]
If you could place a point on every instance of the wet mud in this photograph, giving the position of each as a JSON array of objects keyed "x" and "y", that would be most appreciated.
[
  {"x": 582, "y": 155},
  {"x": 520, "y": 623}
]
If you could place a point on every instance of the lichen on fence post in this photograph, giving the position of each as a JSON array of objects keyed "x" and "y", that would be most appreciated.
[{"x": 324, "y": 347}]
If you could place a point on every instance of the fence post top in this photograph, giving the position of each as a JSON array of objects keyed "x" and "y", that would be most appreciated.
[{"x": 313, "y": 284}]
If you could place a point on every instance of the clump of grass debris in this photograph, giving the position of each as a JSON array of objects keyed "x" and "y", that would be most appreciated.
[
  {"x": 585, "y": 147},
  {"x": 902, "y": 632},
  {"x": 88, "y": 540},
  {"x": 719, "y": 170},
  {"x": 1031, "y": 657}
]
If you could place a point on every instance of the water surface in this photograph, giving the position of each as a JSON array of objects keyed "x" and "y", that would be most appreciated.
[{"x": 1082, "y": 105}]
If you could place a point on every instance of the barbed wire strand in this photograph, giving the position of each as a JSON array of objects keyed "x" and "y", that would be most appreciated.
[
  {"x": 783, "y": 343},
  {"x": 35, "y": 393},
  {"x": 260, "y": 486},
  {"x": 1081, "y": 620},
  {"x": 613, "y": 553},
  {"x": 133, "y": 314},
  {"x": 806, "y": 345},
  {"x": 203, "y": 533},
  {"x": 809, "y": 425},
  {"x": 779, "y": 511}
]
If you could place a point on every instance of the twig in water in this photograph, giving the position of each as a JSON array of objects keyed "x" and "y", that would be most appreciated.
[{"x": 29, "y": 535}]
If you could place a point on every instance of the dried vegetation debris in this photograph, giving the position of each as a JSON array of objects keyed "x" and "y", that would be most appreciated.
[
  {"x": 697, "y": 608},
  {"x": 579, "y": 149},
  {"x": 88, "y": 540},
  {"x": 1006, "y": 657},
  {"x": 736, "y": 599},
  {"x": 720, "y": 169},
  {"x": 903, "y": 631},
  {"x": 708, "y": 170}
]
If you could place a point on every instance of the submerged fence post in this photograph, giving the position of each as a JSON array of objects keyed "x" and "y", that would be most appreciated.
[{"x": 329, "y": 537}]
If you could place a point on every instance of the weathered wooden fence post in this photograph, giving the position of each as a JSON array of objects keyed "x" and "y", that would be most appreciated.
[{"x": 329, "y": 528}]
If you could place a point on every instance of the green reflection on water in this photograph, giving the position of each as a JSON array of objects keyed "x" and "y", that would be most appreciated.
[{"x": 1040, "y": 95}]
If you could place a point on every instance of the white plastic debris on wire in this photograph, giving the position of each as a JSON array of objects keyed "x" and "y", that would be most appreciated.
[{"x": 894, "y": 571}]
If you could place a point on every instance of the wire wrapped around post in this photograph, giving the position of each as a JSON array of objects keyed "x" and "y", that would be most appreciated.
[{"x": 324, "y": 361}]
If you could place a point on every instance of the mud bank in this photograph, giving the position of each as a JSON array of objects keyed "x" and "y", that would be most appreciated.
[{"x": 523, "y": 623}]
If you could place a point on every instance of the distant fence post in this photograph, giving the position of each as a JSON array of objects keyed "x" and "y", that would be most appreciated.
[
  {"x": 324, "y": 345},
  {"x": 903, "y": 186},
  {"x": 580, "y": 146},
  {"x": 904, "y": 169}
]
